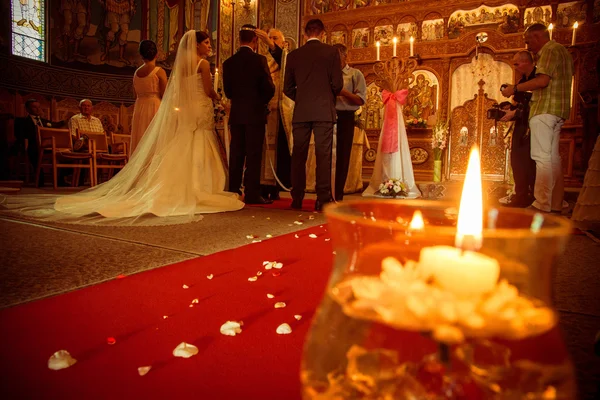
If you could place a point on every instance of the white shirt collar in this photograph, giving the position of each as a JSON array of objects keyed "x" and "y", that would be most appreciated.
[{"x": 313, "y": 38}]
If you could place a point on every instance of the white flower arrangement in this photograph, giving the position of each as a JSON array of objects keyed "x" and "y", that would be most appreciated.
[
  {"x": 393, "y": 188},
  {"x": 49, "y": 125},
  {"x": 438, "y": 140}
]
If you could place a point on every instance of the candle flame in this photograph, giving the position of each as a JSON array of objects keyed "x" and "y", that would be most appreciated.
[
  {"x": 551, "y": 26},
  {"x": 176, "y": 108},
  {"x": 470, "y": 213},
  {"x": 417, "y": 223},
  {"x": 395, "y": 39},
  {"x": 576, "y": 25},
  {"x": 378, "y": 44},
  {"x": 412, "y": 39}
]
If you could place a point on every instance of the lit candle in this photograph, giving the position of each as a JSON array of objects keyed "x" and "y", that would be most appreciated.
[
  {"x": 395, "y": 40},
  {"x": 417, "y": 223},
  {"x": 412, "y": 41},
  {"x": 377, "y": 45},
  {"x": 216, "y": 83},
  {"x": 575, "y": 26},
  {"x": 550, "y": 28},
  {"x": 461, "y": 270}
]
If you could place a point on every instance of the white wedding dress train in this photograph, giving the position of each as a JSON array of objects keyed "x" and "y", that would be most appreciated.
[
  {"x": 395, "y": 165},
  {"x": 175, "y": 175}
]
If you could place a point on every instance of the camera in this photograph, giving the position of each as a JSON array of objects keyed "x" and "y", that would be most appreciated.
[{"x": 495, "y": 112}]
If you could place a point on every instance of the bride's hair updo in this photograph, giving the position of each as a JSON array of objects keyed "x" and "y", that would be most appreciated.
[{"x": 201, "y": 36}]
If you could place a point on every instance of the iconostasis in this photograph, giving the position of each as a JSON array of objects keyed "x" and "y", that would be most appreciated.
[{"x": 464, "y": 50}]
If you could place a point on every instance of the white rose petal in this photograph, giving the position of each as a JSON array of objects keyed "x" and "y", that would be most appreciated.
[
  {"x": 185, "y": 350},
  {"x": 60, "y": 360},
  {"x": 270, "y": 296},
  {"x": 296, "y": 236},
  {"x": 311, "y": 217},
  {"x": 327, "y": 239},
  {"x": 144, "y": 370},
  {"x": 298, "y": 317},
  {"x": 252, "y": 279},
  {"x": 278, "y": 265},
  {"x": 231, "y": 328},
  {"x": 298, "y": 222},
  {"x": 259, "y": 273},
  {"x": 250, "y": 236},
  {"x": 280, "y": 304},
  {"x": 269, "y": 235},
  {"x": 284, "y": 329},
  {"x": 185, "y": 286},
  {"x": 256, "y": 241},
  {"x": 312, "y": 236},
  {"x": 165, "y": 316},
  {"x": 209, "y": 276},
  {"x": 195, "y": 301}
]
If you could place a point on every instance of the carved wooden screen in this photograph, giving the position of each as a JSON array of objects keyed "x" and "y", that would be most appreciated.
[{"x": 470, "y": 126}]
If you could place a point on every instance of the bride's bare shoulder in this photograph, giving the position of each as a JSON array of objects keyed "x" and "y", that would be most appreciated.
[{"x": 202, "y": 65}]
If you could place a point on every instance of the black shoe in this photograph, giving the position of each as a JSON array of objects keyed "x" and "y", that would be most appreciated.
[
  {"x": 297, "y": 204},
  {"x": 275, "y": 195},
  {"x": 257, "y": 200},
  {"x": 319, "y": 205}
]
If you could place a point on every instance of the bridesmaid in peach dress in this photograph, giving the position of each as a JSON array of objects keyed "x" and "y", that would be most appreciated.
[{"x": 149, "y": 83}]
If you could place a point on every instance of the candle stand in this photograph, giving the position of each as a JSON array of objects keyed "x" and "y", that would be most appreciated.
[{"x": 406, "y": 315}]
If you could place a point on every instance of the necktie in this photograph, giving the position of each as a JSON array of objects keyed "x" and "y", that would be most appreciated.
[{"x": 38, "y": 121}]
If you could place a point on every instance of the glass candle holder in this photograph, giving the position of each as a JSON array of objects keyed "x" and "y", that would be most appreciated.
[{"x": 406, "y": 315}]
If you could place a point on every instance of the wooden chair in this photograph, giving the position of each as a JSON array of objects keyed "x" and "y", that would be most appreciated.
[
  {"x": 59, "y": 145},
  {"x": 102, "y": 155},
  {"x": 120, "y": 144}
]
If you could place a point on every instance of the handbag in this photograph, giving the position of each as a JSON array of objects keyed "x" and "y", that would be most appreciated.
[{"x": 81, "y": 145}]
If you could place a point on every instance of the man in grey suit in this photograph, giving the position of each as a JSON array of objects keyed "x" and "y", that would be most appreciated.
[{"x": 313, "y": 79}]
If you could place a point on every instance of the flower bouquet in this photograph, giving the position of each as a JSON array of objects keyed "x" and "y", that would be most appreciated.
[
  {"x": 393, "y": 188},
  {"x": 438, "y": 140}
]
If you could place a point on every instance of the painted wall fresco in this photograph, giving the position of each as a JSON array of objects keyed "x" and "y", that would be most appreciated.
[
  {"x": 569, "y": 13},
  {"x": 432, "y": 29}
]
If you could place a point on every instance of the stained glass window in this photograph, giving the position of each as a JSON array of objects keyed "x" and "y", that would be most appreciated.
[{"x": 28, "y": 29}]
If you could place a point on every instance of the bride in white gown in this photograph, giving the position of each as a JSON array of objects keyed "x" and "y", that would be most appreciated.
[{"x": 176, "y": 172}]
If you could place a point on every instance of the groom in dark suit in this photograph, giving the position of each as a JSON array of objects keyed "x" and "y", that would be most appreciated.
[
  {"x": 247, "y": 83},
  {"x": 313, "y": 79}
]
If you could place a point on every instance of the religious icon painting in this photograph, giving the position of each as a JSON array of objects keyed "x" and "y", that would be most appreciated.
[
  {"x": 360, "y": 38},
  {"x": 506, "y": 17},
  {"x": 569, "y": 13},
  {"x": 373, "y": 107},
  {"x": 405, "y": 30},
  {"x": 338, "y": 37},
  {"x": 432, "y": 29},
  {"x": 361, "y": 3},
  {"x": 534, "y": 15},
  {"x": 384, "y": 34}
]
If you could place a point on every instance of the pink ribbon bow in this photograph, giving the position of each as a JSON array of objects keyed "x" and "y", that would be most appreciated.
[{"x": 389, "y": 139}]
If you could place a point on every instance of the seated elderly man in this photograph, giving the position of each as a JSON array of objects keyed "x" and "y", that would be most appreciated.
[{"x": 85, "y": 121}]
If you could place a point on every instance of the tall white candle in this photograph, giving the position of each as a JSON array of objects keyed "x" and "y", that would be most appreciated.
[
  {"x": 412, "y": 41},
  {"x": 575, "y": 26},
  {"x": 550, "y": 29},
  {"x": 395, "y": 40},
  {"x": 378, "y": 45},
  {"x": 216, "y": 83}
]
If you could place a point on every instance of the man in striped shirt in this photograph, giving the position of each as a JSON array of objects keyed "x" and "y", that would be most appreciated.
[
  {"x": 550, "y": 107},
  {"x": 85, "y": 121}
]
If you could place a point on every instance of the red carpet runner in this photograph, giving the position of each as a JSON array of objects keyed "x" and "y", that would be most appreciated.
[{"x": 256, "y": 364}]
